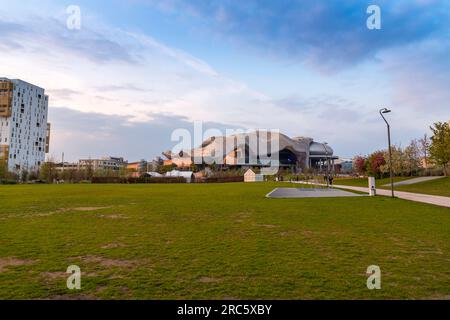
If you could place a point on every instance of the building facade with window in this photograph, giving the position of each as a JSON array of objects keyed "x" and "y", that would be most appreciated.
[
  {"x": 105, "y": 164},
  {"x": 24, "y": 130}
]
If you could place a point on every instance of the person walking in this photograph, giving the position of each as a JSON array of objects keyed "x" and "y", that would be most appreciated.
[{"x": 331, "y": 180}]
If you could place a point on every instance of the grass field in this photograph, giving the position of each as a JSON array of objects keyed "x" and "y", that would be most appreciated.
[
  {"x": 439, "y": 187},
  {"x": 363, "y": 182},
  {"x": 217, "y": 241}
]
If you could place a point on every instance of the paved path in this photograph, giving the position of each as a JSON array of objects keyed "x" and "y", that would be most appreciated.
[
  {"x": 418, "y": 197},
  {"x": 413, "y": 181},
  {"x": 283, "y": 193}
]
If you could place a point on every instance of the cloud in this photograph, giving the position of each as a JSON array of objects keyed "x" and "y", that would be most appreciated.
[
  {"x": 124, "y": 87},
  {"x": 89, "y": 134},
  {"x": 32, "y": 34},
  {"x": 63, "y": 93},
  {"x": 420, "y": 77},
  {"x": 127, "y": 91},
  {"x": 327, "y": 35},
  {"x": 156, "y": 79}
]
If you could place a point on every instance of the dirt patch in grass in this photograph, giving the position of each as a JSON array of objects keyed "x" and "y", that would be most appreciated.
[
  {"x": 79, "y": 209},
  {"x": 113, "y": 216},
  {"x": 106, "y": 262},
  {"x": 209, "y": 280},
  {"x": 5, "y": 263},
  {"x": 229, "y": 298},
  {"x": 63, "y": 275},
  {"x": 54, "y": 275},
  {"x": 87, "y": 209},
  {"x": 113, "y": 246},
  {"x": 439, "y": 297},
  {"x": 73, "y": 297},
  {"x": 125, "y": 292},
  {"x": 269, "y": 226}
]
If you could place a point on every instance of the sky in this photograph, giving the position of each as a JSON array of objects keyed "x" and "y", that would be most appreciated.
[{"x": 137, "y": 70}]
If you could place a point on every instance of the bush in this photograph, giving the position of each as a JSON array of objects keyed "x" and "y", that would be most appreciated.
[
  {"x": 219, "y": 179},
  {"x": 138, "y": 180},
  {"x": 7, "y": 181}
]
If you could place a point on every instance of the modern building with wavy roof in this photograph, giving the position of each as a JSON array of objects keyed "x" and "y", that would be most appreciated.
[{"x": 256, "y": 149}]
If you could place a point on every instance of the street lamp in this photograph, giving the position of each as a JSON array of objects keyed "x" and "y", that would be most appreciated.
[
  {"x": 384, "y": 111},
  {"x": 328, "y": 164}
]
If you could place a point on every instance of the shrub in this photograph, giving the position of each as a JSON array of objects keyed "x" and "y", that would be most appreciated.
[
  {"x": 138, "y": 180},
  {"x": 7, "y": 181},
  {"x": 220, "y": 179}
]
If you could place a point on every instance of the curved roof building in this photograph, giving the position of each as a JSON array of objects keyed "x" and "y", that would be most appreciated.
[{"x": 255, "y": 149}]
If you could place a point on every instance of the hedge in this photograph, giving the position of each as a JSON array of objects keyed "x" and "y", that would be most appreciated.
[{"x": 138, "y": 180}]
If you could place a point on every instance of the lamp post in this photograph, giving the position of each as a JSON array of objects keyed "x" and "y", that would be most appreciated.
[
  {"x": 382, "y": 112},
  {"x": 328, "y": 165}
]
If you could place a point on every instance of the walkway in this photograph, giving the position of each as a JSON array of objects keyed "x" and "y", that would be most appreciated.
[
  {"x": 413, "y": 181},
  {"x": 284, "y": 193},
  {"x": 418, "y": 197}
]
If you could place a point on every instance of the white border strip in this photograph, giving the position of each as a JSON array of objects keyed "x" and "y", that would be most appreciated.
[{"x": 270, "y": 193}]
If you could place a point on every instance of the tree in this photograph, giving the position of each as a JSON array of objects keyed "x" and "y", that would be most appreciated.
[
  {"x": 424, "y": 147},
  {"x": 412, "y": 158},
  {"x": 440, "y": 145},
  {"x": 374, "y": 163},
  {"x": 48, "y": 172},
  {"x": 24, "y": 176},
  {"x": 359, "y": 163},
  {"x": 3, "y": 169},
  {"x": 398, "y": 161},
  {"x": 89, "y": 169}
]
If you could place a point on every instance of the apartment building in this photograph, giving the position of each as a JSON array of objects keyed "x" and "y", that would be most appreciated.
[
  {"x": 24, "y": 131},
  {"x": 106, "y": 163}
]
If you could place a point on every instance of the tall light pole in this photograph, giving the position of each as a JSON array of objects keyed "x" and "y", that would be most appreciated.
[
  {"x": 328, "y": 166},
  {"x": 384, "y": 111}
]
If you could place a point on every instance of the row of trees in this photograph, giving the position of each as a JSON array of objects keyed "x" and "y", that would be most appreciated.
[{"x": 421, "y": 157}]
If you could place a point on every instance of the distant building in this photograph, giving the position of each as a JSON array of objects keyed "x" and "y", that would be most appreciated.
[
  {"x": 136, "y": 169},
  {"x": 155, "y": 164},
  {"x": 24, "y": 131},
  {"x": 60, "y": 166},
  {"x": 251, "y": 176},
  {"x": 188, "y": 175},
  {"x": 243, "y": 151},
  {"x": 425, "y": 163},
  {"x": 342, "y": 165},
  {"x": 152, "y": 174},
  {"x": 106, "y": 163}
]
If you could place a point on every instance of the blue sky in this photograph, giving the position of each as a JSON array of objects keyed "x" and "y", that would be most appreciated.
[{"x": 139, "y": 69}]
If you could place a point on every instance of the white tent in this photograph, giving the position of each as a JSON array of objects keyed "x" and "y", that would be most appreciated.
[
  {"x": 188, "y": 175},
  {"x": 154, "y": 174},
  {"x": 251, "y": 176}
]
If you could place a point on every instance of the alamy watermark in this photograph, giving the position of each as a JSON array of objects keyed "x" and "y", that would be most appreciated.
[
  {"x": 73, "y": 21},
  {"x": 374, "y": 279},
  {"x": 374, "y": 20},
  {"x": 74, "y": 280}
]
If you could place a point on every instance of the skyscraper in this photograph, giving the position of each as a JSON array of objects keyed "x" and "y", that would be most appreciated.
[{"x": 24, "y": 131}]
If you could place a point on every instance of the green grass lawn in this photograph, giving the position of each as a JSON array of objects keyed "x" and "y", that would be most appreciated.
[
  {"x": 363, "y": 182},
  {"x": 439, "y": 187},
  {"x": 217, "y": 241}
]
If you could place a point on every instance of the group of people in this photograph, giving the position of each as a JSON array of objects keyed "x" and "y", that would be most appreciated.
[{"x": 328, "y": 179}]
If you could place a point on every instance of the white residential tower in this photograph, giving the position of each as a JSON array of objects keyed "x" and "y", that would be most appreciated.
[{"x": 24, "y": 131}]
